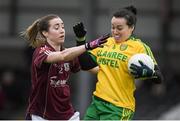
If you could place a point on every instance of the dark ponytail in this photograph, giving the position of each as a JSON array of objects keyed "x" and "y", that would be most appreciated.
[
  {"x": 132, "y": 9},
  {"x": 34, "y": 32}
]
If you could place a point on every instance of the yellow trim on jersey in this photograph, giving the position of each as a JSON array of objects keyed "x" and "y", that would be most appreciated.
[
  {"x": 126, "y": 114},
  {"x": 149, "y": 52},
  {"x": 115, "y": 84}
]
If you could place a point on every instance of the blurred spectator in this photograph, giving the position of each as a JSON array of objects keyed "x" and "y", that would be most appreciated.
[
  {"x": 13, "y": 89},
  {"x": 7, "y": 82}
]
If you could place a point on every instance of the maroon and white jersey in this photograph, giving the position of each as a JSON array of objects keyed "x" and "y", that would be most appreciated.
[{"x": 50, "y": 95}]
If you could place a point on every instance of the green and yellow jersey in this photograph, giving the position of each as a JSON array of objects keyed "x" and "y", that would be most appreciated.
[{"x": 115, "y": 84}]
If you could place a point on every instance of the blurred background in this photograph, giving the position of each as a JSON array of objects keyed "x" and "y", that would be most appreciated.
[{"x": 158, "y": 25}]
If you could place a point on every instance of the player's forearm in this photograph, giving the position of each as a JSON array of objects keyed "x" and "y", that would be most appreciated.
[
  {"x": 158, "y": 77},
  {"x": 94, "y": 70},
  {"x": 73, "y": 52},
  {"x": 86, "y": 61},
  {"x": 65, "y": 55}
]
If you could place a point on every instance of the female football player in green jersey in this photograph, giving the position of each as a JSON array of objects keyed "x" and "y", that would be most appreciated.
[{"x": 113, "y": 98}]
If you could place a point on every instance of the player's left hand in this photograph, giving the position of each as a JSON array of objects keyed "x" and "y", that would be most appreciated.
[
  {"x": 80, "y": 33},
  {"x": 79, "y": 30},
  {"x": 141, "y": 71}
]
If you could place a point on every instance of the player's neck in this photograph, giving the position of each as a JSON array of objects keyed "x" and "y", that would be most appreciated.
[{"x": 57, "y": 47}]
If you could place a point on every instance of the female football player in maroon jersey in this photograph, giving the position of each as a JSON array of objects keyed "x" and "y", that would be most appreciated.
[{"x": 51, "y": 67}]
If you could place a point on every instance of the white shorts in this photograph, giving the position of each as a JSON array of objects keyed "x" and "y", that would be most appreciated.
[
  {"x": 35, "y": 118},
  {"x": 75, "y": 117}
]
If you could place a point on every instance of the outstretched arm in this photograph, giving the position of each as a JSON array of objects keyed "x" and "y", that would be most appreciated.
[
  {"x": 65, "y": 55},
  {"x": 71, "y": 53}
]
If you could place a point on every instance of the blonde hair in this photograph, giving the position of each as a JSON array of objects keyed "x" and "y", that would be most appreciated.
[{"x": 34, "y": 32}]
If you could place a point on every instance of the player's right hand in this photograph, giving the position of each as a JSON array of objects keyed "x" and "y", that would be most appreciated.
[{"x": 97, "y": 42}]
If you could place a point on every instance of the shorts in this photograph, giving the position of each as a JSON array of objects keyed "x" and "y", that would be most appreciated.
[
  {"x": 100, "y": 109},
  {"x": 75, "y": 117}
]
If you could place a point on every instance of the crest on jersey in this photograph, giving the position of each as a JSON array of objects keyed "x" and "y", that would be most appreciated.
[
  {"x": 114, "y": 47},
  {"x": 123, "y": 47}
]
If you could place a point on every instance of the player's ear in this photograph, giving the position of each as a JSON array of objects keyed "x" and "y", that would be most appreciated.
[{"x": 132, "y": 28}]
